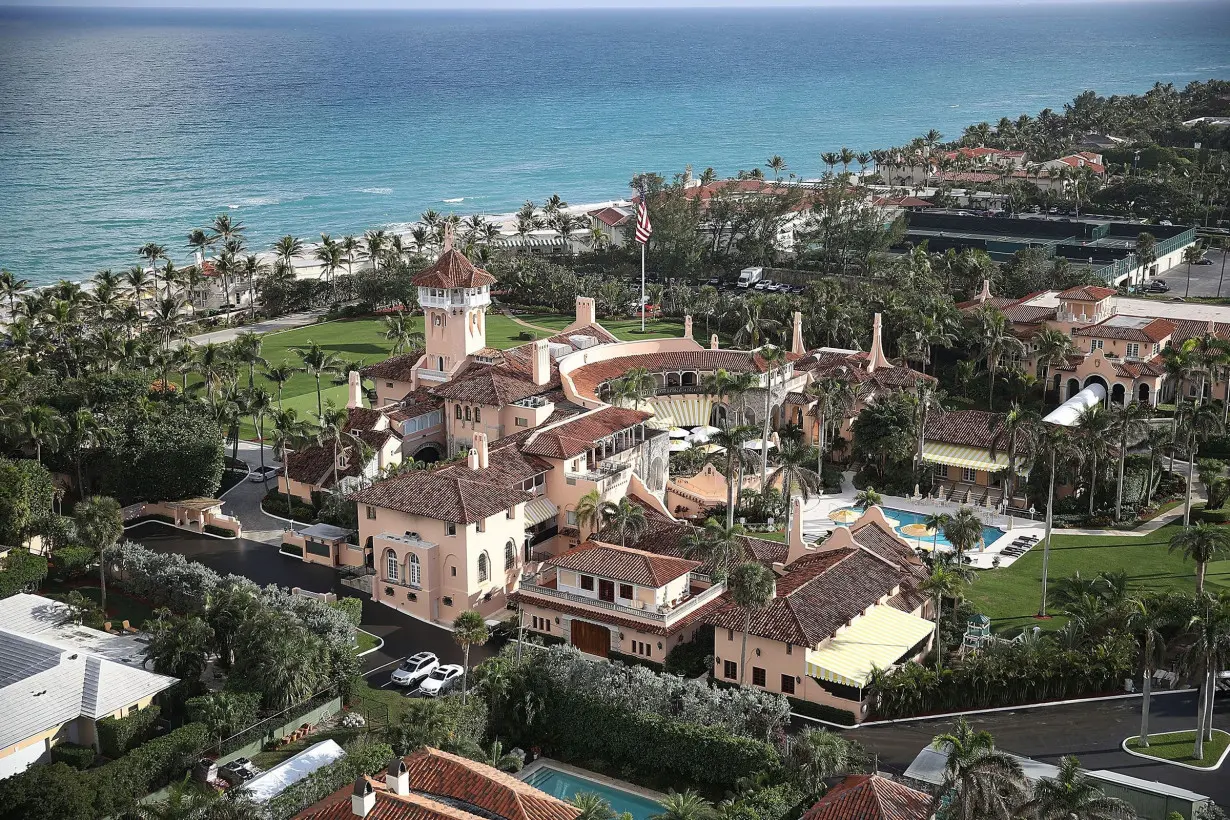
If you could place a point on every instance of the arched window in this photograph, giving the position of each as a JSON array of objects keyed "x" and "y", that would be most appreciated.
[
  {"x": 415, "y": 571},
  {"x": 457, "y": 411},
  {"x": 467, "y": 412},
  {"x": 390, "y": 565},
  {"x": 510, "y": 555},
  {"x": 484, "y": 567}
]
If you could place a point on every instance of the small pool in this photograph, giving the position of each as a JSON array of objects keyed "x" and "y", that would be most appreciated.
[
  {"x": 566, "y": 786},
  {"x": 905, "y": 518}
]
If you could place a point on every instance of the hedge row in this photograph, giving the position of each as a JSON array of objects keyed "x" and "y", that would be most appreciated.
[
  {"x": 74, "y": 754},
  {"x": 291, "y": 549},
  {"x": 634, "y": 660},
  {"x": 361, "y": 758},
  {"x": 21, "y": 570},
  {"x": 225, "y": 532},
  {"x": 821, "y": 712},
  {"x": 117, "y": 735}
]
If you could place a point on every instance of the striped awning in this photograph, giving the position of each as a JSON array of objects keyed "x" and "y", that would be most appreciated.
[
  {"x": 539, "y": 510},
  {"x": 958, "y": 455},
  {"x": 681, "y": 411},
  {"x": 877, "y": 640}
]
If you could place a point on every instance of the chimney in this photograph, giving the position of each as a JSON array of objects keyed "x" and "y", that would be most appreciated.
[
  {"x": 796, "y": 340},
  {"x": 363, "y": 798},
  {"x": 397, "y": 779},
  {"x": 985, "y": 293},
  {"x": 587, "y": 314},
  {"x": 356, "y": 391},
  {"x": 472, "y": 458},
  {"x": 713, "y": 342},
  {"x": 480, "y": 446},
  {"x": 687, "y": 326},
  {"x": 877, "y": 358},
  {"x": 542, "y": 362},
  {"x": 448, "y": 238}
]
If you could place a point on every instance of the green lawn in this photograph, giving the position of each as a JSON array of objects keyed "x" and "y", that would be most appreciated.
[
  {"x": 374, "y": 704},
  {"x": 1010, "y": 596},
  {"x": 365, "y": 641},
  {"x": 1177, "y": 747}
]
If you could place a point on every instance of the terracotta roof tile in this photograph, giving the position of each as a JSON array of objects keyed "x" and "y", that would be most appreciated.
[
  {"x": 1154, "y": 331},
  {"x": 578, "y": 435},
  {"x": 587, "y": 377},
  {"x": 1088, "y": 293},
  {"x": 442, "y": 495},
  {"x": 1029, "y": 314},
  {"x": 970, "y": 428},
  {"x": 453, "y": 270},
  {"x": 416, "y": 403},
  {"x": 665, "y": 536},
  {"x": 395, "y": 368},
  {"x": 871, "y": 797},
  {"x": 632, "y": 566}
]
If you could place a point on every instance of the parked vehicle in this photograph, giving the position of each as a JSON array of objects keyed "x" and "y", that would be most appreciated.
[
  {"x": 1156, "y": 287},
  {"x": 714, "y": 282},
  {"x": 259, "y": 475},
  {"x": 414, "y": 669},
  {"x": 441, "y": 679},
  {"x": 240, "y": 770},
  {"x": 1204, "y": 261},
  {"x": 749, "y": 277}
]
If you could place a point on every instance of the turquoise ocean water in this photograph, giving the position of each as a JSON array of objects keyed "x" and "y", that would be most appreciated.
[{"x": 119, "y": 127}]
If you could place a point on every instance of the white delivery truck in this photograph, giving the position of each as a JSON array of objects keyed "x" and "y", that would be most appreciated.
[{"x": 749, "y": 277}]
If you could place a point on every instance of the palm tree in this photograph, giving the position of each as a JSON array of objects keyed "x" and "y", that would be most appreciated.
[
  {"x": 10, "y": 288},
  {"x": 815, "y": 755},
  {"x": 718, "y": 546},
  {"x": 1199, "y": 422},
  {"x": 947, "y": 579},
  {"x": 963, "y": 531},
  {"x": 867, "y": 498},
  {"x": 589, "y": 511},
  {"x": 316, "y": 361},
  {"x": 469, "y": 629},
  {"x": 350, "y": 246},
  {"x": 100, "y": 523},
  {"x": 138, "y": 281},
  {"x": 756, "y": 326},
  {"x": 1093, "y": 429},
  {"x": 1201, "y": 543},
  {"x": 994, "y": 332},
  {"x": 794, "y": 474},
  {"x": 834, "y": 398},
  {"x": 935, "y": 522},
  {"x": 85, "y": 431},
  {"x": 1192, "y": 254},
  {"x": 1147, "y": 620},
  {"x": 732, "y": 459},
  {"x": 633, "y": 388},
  {"x": 593, "y": 807},
  {"x": 289, "y": 432},
  {"x": 280, "y": 375},
  {"x": 399, "y": 329},
  {"x": 186, "y": 800},
  {"x": 1018, "y": 434},
  {"x": 331, "y": 430},
  {"x": 258, "y": 405},
  {"x": 1208, "y": 633},
  {"x": 774, "y": 358},
  {"x": 286, "y": 249},
  {"x": 685, "y": 805},
  {"x": 1071, "y": 794},
  {"x": 214, "y": 365},
  {"x": 246, "y": 349},
  {"x": 152, "y": 252},
  {"x": 374, "y": 243},
  {"x": 776, "y": 164},
  {"x": 1128, "y": 424},
  {"x": 752, "y": 587},
  {"x": 625, "y": 518},
  {"x": 980, "y": 782},
  {"x": 39, "y": 425}
]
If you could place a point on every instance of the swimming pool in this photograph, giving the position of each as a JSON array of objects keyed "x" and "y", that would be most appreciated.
[
  {"x": 566, "y": 786},
  {"x": 905, "y": 518}
]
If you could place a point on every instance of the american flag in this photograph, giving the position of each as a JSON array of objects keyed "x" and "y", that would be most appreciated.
[{"x": 643, "y": 228}]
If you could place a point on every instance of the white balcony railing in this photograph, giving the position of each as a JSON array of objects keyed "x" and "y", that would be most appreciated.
[
  {"x": 454, "y": 299},
  {"x": 665, "y": 615},
  {"x": 432, "y": 375}
]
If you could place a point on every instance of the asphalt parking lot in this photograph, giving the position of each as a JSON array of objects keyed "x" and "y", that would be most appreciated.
[{"x": 1206, "y": 279}]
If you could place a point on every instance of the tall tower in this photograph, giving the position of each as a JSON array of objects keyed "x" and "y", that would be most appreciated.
[{"x": 454, "y": 295}]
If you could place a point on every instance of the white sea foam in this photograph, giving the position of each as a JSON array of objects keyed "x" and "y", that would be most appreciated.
[
  {"x": 380, "y": 191},
  {"x": 254, "y": 202},
  {"x": 454, "y": 201}
]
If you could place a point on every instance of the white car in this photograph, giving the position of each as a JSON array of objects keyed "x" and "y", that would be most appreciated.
[
  {"x": 414, "y": 669},
  {"x": 258, "y": 475},
  {"x": 440, "y": 679}
]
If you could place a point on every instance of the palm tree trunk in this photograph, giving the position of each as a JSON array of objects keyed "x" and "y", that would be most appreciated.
[
  {"x": 939, "y": 619},
  {"x": 764, "y": 438},
  {"x": 260, "y": 444},
  {"x": 1208, "y": 707},
  {"x": 1149, "y": 486},
  {"x": 1198, "y": 750},
  {"x": 747, "y": 626},
  {"x": 1093, "y": 482},
  {"x": 1191, "y": 466},
  {"x": 520, "y": 632},
  {"x": 1201, "y": 566},
  {"x": 730, "y": 501},
  {"x": 1146, "y": 694},
  {"x": 465, "y": 671},
  {"x": 290, "y": 514},
  {"x": 102, "y": 581},
  {"x": 319, "y": 407},
  {"x": 1119, "y": 491}
]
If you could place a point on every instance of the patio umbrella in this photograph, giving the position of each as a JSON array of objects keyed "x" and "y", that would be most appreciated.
[
  {"x": 756, "y": 444},
  {"x": 705, "y": 430},
  {"x": 712, "y": 448},
  {"x": 845, "y": 516},
  {"x": 680, "y": 446},
  {"x": 678, "y": 432}
]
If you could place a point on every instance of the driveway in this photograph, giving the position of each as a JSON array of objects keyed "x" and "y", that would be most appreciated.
[
  {"x": 244, "y": 500},
  {"x": 1205, "y": 278},
  {"x": 1093, "y": 732},
  {"x": 265, "y": 565},
  {"x": 288, "y": 322}
]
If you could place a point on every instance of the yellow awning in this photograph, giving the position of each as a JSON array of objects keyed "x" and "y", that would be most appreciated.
[
  {"x": 681, "y": 411},
  {"x": 958, "y": 455},
  {"x": 875, "y": 641},
  {"x": 539, "y": 510}
]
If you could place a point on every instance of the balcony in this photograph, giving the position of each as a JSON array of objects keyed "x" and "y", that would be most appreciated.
[
  {"x": 407, "y": 540},
  {"x": 450, "y": 299},
  {"x": 432, "y": 375},
  {"x": 544, "y": 584}
]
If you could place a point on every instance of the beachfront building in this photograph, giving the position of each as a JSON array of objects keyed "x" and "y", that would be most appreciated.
[
  {"x": 60, "y": 679},
  {"x": 434, "y": 785},
  {"x": 983, "y": 166},
  {"x": 1119, "y": 341}
]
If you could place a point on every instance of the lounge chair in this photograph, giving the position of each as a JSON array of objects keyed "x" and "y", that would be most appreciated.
[
  {"x": 107, "y": 627},
  {"x": 129, "y": 628}
]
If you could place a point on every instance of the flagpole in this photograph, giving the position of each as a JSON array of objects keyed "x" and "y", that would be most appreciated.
[{"x": 643, "y": 305}]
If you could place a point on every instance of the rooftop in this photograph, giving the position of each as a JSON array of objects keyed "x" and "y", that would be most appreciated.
[
  {"x": 870, "y": 797},
  {"x": 453, "y": 270},
  {"x": 624, "y": 564}
]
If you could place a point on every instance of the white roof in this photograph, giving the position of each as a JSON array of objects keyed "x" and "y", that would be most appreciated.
[
  {"x": 327, "y": 532},
  {"x": 51, "y": 674},
  {"x": 1069, "y": 413},
  {"x": 270, "y": 784}
]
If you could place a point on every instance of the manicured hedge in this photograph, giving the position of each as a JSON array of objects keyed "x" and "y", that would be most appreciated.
[
  {"x": 634, "y": 660},
  {"x": 21, "y": 569},
  {"x": 117, "y": 735},
  {"x": 821, "y": 712},
  {"x": 361, "y": 758},
  {"x": 291, "y": 549},
  {"x": 226, "y": 532},
  {"x": 147, "y": 768},
  {"x": 353, "y": 607},
  {"x": 74, "y": 754}
]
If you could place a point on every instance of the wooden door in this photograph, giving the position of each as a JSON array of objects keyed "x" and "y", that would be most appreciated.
[{"x": 591, "y": 638}]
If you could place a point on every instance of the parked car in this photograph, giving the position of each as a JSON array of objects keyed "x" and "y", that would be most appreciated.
[
  {"x": 714, "y": 282},
  {"x": 1156, "y": 287},
  {"x": 262, "y": 474},
  {"x": 240, "y": 770},
  {"x": 1204, "y": 261},
  {"x": 414, "y": 669},
  {"x": 441, "y": 679},
  {"x": 762, "y": 285}
]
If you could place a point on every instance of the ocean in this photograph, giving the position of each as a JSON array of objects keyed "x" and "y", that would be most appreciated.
[{"x": 119, "y": 127}]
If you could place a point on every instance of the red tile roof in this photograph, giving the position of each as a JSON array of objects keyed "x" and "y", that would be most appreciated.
[
  {"x": 453, "y": 270},
  {"x": 442, "y": 495},
  {"x": 871, "y": 797},
  {"x": 631, "y": 566},
  {"x": 665, "y": 536},
  {"x": 825, "y": 364},
  {"x": 587, "y": 377},
  {"x": 1155, "y": 331},
  {"x": 1088, "y": 293},
  {"x": 416, "y": 403},
  {"x": 395, "y": 368},
  {"x": 578, "y": 435},
  {"x": 1028, "y": 314},
  {"x": 442, "y": 785},
  {"x": 970, "y": 428},
  {"x": 611, "y": 217}
]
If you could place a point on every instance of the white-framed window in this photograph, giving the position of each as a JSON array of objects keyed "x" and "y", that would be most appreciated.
[
  {"x": 570, "y": 517},
  {"x": 390, "y": 565},
  {"x": 480, "y": 525},
  {"x": 1095, "y": 344},
  {"x": 484, "y": 567},
  {"x": 510, "y": 555},
  {"x": 969, "y": 474},
  {"x": 1133, "y": 349},
  {"x": 415, "y": 571},
  {"x": 1157, "y": 348}
]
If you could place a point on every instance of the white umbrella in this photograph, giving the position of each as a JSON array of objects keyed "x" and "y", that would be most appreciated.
[
  {"x": 756, "y": 444},
  {"x": 703, "y": 432},
  {"x": 680, "y": 446},
  {"x": 678, "y": 432},
  {"x": 712, "y": 448}
]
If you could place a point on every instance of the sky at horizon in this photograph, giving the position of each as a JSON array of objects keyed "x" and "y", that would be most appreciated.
[{"x": 518, "y": 5}]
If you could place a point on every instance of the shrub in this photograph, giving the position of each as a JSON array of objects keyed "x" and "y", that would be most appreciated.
[
  {"x": 291, "y": 549},
  {"x": 362, "y": 757},
  {"x": 225, "y": 532},
  {"x": 694, "y": 658},
  {"x": 146, "y": 768},
  {"x": 19, "y": 570},
  {"x": 775, "y": 802},
  {"x": 525, "y": 336},
  {"x": 274, "y": 503},
  {"x": 224, "y": 713},
  {"x": 71, "y": 562},
  {"x": 171, "y": 454},
  {"x": 820, "y": 711},
  {"x": 74, "y": 754},
  {"x": 633, "y": 660},
  {"x": 117, "y": 735},
  {"x": 352, "y": 607}
]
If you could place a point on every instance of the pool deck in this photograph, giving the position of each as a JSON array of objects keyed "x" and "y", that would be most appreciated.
[
  {"x": 817, "y": 522},
  {"x": 576, "y": 771}
]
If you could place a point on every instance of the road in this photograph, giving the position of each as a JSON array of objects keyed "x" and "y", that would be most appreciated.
[
  {"x": 287, "y": 322},
  {"x": 1091, "y": 731},
  {"x": 264, "y": 564}
]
